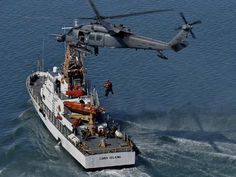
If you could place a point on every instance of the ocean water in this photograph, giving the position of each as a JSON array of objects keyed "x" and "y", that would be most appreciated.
[{"x": 180, "y": 112}]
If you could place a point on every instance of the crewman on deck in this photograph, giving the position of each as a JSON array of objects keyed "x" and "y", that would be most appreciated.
[
  {"x": 58, "y": 86},
  {"x": 108, "y": 87}
]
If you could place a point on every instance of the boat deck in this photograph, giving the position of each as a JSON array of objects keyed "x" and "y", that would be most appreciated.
[{"x": 88, "y": 145}]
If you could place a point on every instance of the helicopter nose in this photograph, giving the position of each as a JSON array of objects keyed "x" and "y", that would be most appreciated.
[{"x": 61, "y": 38}]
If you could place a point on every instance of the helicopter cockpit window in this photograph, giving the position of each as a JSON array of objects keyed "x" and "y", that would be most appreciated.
[
  {"x": 92, "y": 37},
  {"x": 99, "y": 37}
]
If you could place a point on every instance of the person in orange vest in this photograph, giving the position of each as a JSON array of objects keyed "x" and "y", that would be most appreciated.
[{"x": 108, "y": 87}]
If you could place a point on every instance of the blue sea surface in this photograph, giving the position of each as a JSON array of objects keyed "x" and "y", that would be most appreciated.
[{"x": 181, "y": 113}]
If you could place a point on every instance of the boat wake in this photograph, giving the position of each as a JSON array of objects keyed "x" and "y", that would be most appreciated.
[
  {"x": 177, "y": 143},
  {"x": 125, "y": 172},
  {"x": 26, "y": 113},
  {"x": 2, "y": 170},
  {"x": 183, "y": 143}
]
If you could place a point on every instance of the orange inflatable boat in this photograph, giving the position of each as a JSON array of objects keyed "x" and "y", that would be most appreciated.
[{"x": 80, "y": 107}]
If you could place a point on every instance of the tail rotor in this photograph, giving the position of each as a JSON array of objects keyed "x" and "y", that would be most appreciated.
[{"x": 188, "y": 26}]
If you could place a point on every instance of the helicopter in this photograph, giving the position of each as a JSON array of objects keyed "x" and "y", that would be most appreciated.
[{"x": 104, "y": 34}]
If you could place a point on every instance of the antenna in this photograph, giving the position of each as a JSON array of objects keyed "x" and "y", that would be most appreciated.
[
  {"x": 38, "y": 64},
  {"x": 76, "y": 22},
  {"x": 42, "y": 60}
]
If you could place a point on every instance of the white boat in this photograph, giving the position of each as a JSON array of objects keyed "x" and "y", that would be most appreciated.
[{"x": 92, "y": 138}]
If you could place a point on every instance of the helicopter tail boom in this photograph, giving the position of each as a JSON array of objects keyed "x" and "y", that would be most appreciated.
[{"x": 179, "y": 41}]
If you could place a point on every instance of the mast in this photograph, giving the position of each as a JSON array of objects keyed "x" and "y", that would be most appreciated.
[
  {"x": 74, "y": 71},
  {"x": 42, "y": 60}
]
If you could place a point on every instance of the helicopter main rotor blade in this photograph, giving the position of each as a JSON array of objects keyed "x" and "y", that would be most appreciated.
[
  {"x": 86, "y": 18},
  {"x": 196, "y": 22},
  {"x": 124, "y": 15},
  {"x": 183, "y": 17},
  {"x": 111, "y": 29},
  {"x": 94, "y": 8},
  {"x": 136, "y": 14},
  {"x": 193, "y": 35},
  {"x": 52, "y": 34}
]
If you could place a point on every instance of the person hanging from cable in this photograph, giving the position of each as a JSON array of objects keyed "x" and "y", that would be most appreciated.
[{"x": 108, "y": 87}]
